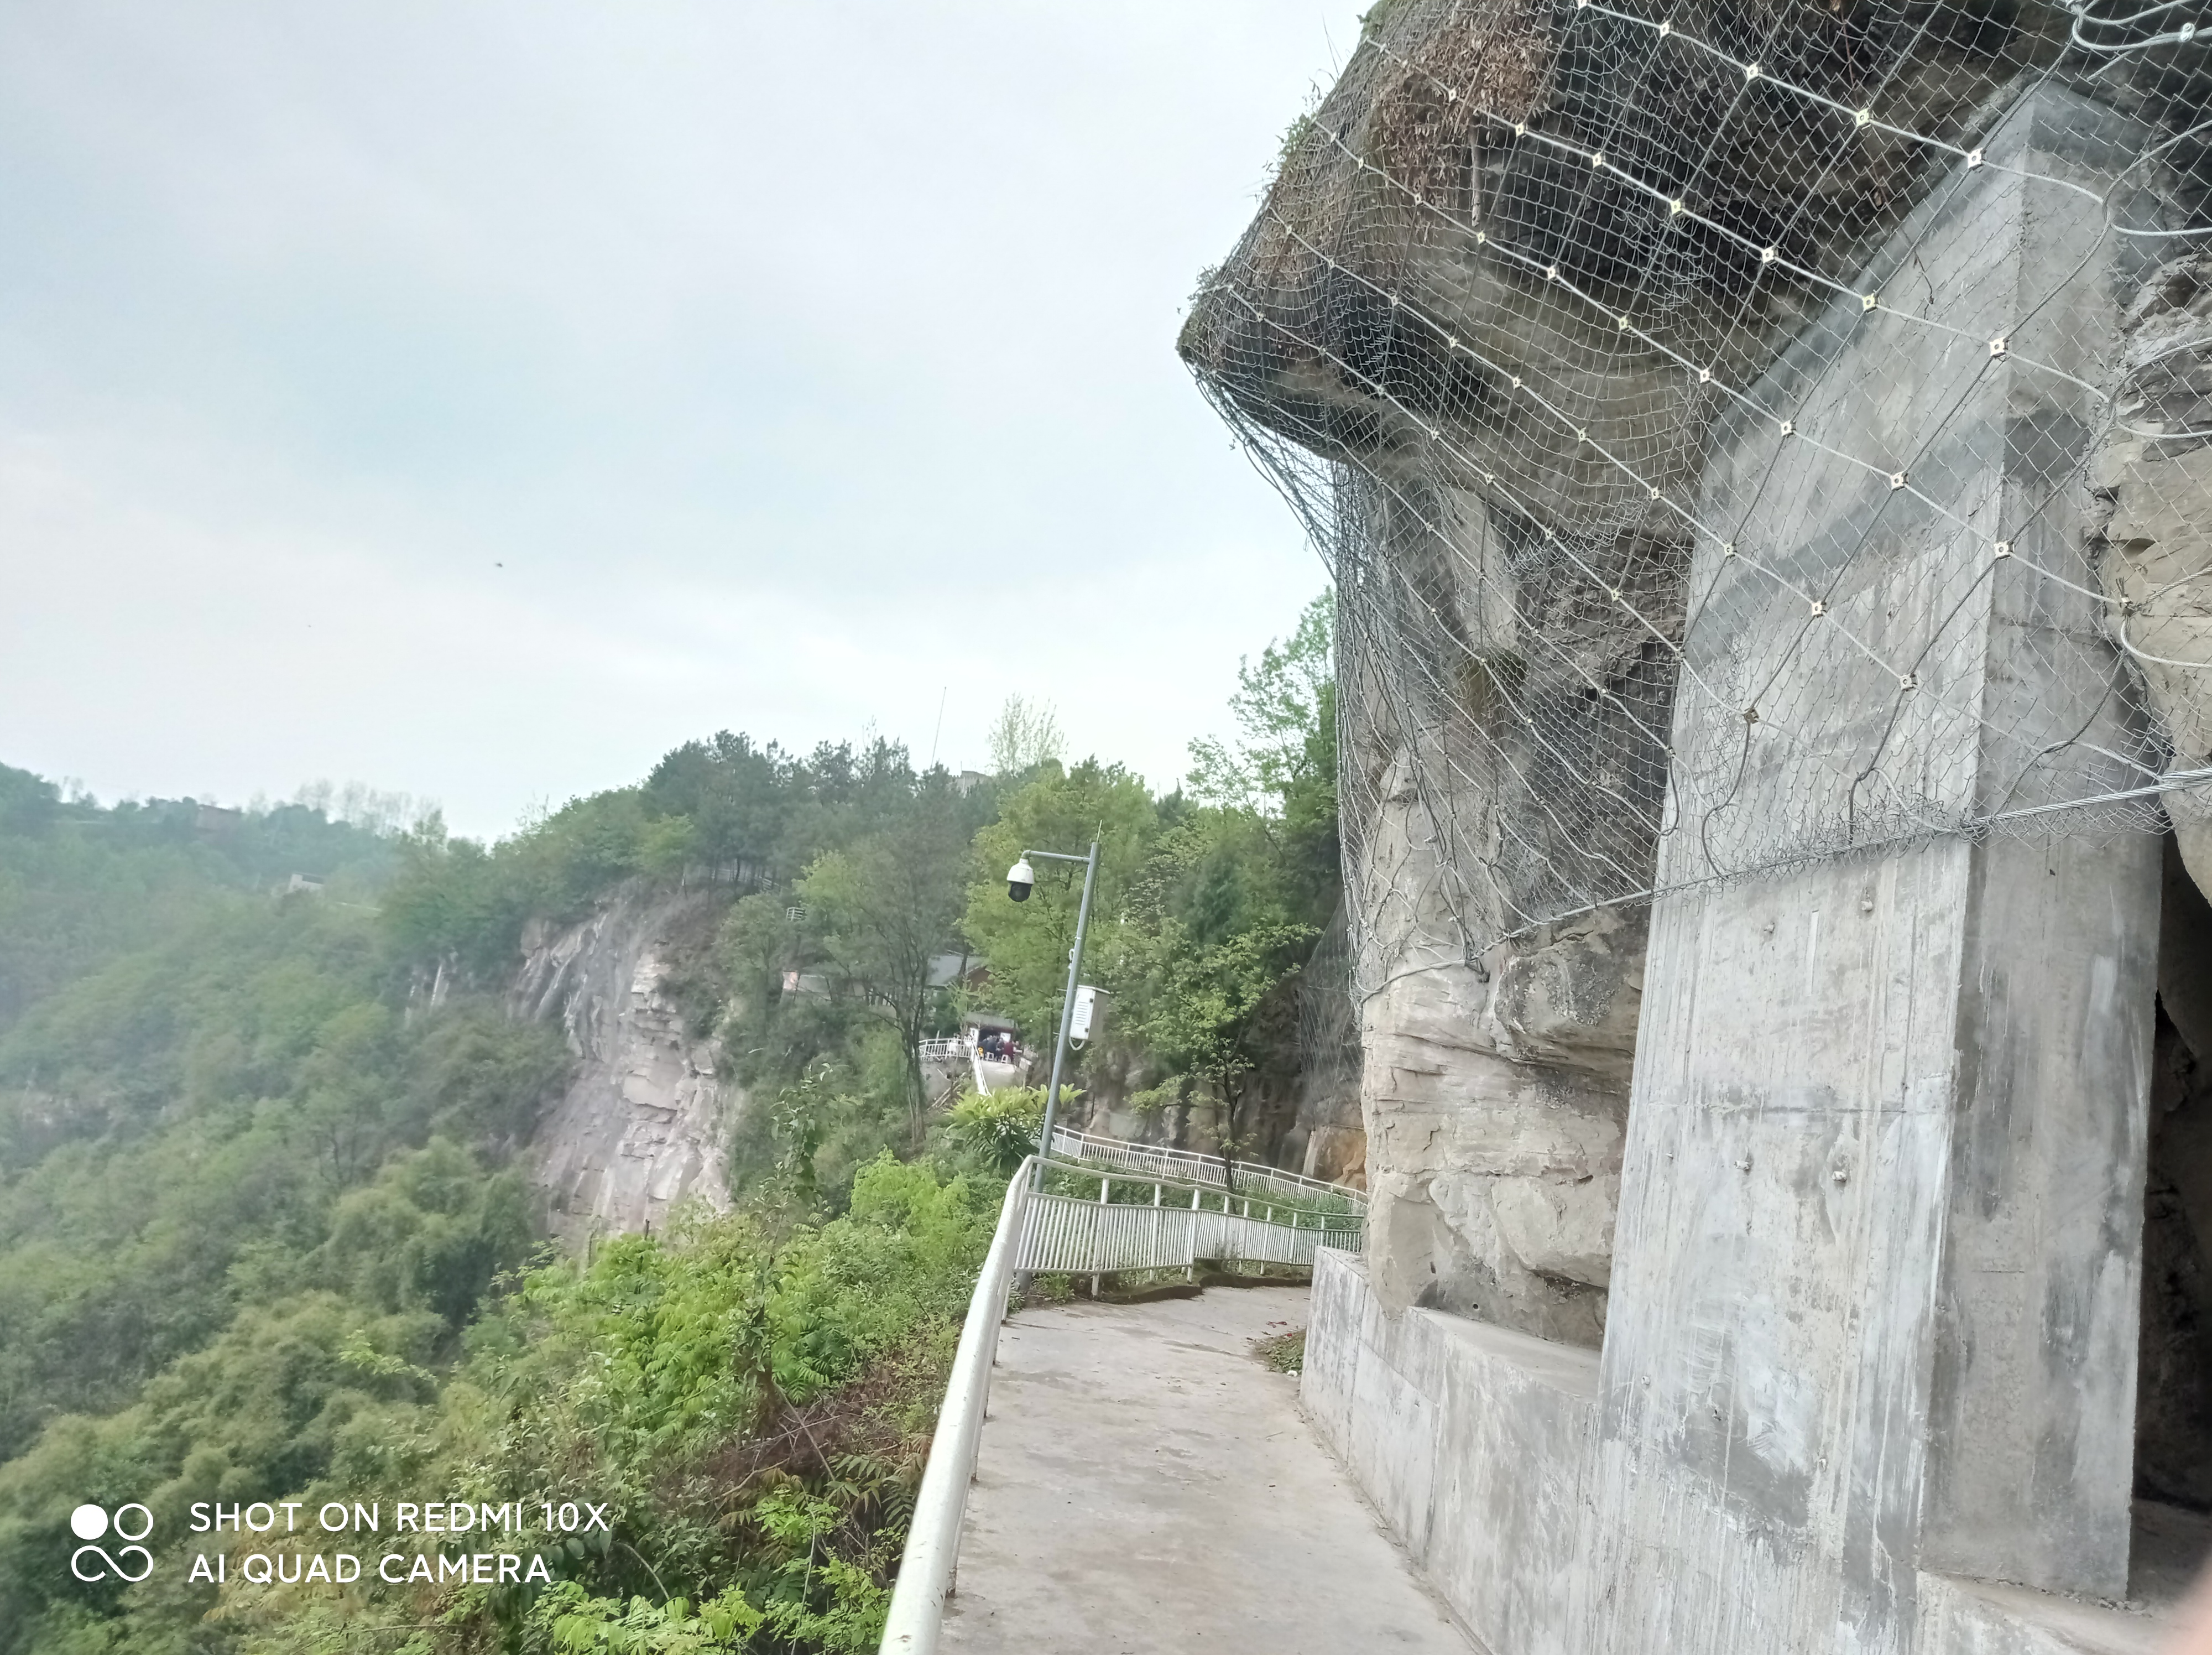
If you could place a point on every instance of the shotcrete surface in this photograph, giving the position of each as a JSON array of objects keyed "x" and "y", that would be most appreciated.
[{"x": 1146, "y": 1484}]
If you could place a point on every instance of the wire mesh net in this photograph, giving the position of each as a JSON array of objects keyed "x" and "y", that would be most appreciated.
[
  {"x": 1329, "y": 1022},
  {"x": 1738, "y": 433}
]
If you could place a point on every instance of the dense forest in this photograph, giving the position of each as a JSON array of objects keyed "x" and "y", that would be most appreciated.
[{"x": 264, "y": 1236}]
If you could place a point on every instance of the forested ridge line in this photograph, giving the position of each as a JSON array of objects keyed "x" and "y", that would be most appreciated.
[{"x": 263, "y": 1235}]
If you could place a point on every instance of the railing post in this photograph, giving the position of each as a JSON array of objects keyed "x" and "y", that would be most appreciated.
[
  {"x": 1160, "y": 1227},
  {"x": 1098, "y": 1230}
]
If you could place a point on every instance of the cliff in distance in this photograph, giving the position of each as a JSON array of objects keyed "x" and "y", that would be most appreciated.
[{"x": 643, "y": 1123}]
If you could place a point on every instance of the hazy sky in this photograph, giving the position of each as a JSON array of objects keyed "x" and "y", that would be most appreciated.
[{"x": 477, "y": 399}]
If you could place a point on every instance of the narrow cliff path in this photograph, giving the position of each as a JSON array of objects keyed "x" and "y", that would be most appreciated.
[{"x": 1146, "y": 1484}]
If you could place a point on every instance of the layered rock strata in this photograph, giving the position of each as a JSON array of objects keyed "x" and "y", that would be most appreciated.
[{"x": 644, "y": 1126}]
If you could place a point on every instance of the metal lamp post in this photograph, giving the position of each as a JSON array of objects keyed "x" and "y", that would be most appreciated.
[{"x": 1020, "y": 880}]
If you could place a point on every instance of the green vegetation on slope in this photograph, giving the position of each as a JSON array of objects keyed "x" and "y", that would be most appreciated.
[
  {"x": 260, "y": 1238},
  {"x": 80, "y": 884},
  {"x": 179, "y": 1124},
  {"x": 750, "y": 1406},
  {"x": 226, "y": 1151},
  {"x": 254, "y": 1200},
  {"x": 1208, "y": 904}
]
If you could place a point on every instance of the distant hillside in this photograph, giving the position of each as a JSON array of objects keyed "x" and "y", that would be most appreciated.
[
  {"x": 289, "y": 1107},
  {"x": 199, "y": 1067},
  {"x": 81, "y": 884}
]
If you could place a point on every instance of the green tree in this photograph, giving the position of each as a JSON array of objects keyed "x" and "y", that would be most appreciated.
[
  {"x": 1027, "y": 944},
  {"x": 1001, "y": 1128},
  {"x": 884, "y": 908},
  {"x": 763, "y": 937},
  {"x": 752, "y": 1408},
  {"x": 1025, "y": 735},
  {"x": 1239, "y": 887},
  {"x": 83, "y": 885},
  {"x": 1284, "y": 707},
  {"x": 179, "y": 1128},
  {"x": 1215, "y": 1011}
]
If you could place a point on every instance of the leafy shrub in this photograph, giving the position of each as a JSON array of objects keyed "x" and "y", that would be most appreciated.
[
  {"x": 1001, "y": 1127},
  {"x": 757, "y": 1409}
]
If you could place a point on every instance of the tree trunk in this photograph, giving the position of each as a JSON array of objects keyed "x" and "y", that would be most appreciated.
[
  {"x": 917, "y": 1091},
  {"x": 1229, "y": 1101}
]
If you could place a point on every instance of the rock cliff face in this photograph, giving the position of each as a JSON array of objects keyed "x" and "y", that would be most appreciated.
[
  {"x": 1495, "y": 1093},
  {"x": 1479, "y": 330},
  {"x": 2153, "y": 472},
  {"x": 644, "y": 1125}
]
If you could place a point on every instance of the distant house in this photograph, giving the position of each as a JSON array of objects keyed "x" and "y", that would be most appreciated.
[
  {"x": 216, "y": 819},
  {"x": 300, "y": 882}
]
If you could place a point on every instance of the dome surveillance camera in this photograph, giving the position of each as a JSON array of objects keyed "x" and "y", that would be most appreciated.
[{"x": 1020, "y": 878}]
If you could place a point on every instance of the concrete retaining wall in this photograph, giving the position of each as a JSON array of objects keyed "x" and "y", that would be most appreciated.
[
  {"x": 1474, "y": 1441},
  {"x": 1478, "y": 1446},
  {"x": 1874, "y": 1299}
]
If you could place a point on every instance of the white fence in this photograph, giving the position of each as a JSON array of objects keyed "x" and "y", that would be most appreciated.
[
  {"x": 1066, "y": 1233},
  {"x": 1158, "y": 1161},
  {"x": 932, "y": 1541},
  {"x": 1057, "y": 1234}
]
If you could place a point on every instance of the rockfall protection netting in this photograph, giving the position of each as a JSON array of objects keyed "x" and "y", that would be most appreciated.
[
  {"x": 1738, "y": 433},
  {"x": 1328, "y": 1019}
]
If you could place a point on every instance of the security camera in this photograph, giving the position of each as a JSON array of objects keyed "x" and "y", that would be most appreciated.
[{"x": 1021, "y": 879}]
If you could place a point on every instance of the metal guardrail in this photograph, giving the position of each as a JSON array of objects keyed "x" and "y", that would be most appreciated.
[
  {"x": 1047, "y": 1233},
  {"x": 932, "y": 1539},
  {"x": 1097, "y": 1237},
  {"x": 1160, "y": 1161}
]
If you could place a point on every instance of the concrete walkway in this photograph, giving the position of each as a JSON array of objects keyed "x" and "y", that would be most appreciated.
[{"x": 1146, "y": 1484}]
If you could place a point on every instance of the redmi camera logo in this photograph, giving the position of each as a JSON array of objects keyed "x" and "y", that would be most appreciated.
[{"x": 93, "y": 1562}]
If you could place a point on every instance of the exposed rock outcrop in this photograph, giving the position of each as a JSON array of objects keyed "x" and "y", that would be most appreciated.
[
  {"x": 1328, "y": 1133},
  {"x": 1483, "y": 326},
  {"x": 1495, "y": 1094},
  {"x": 644, "y": 1123},
  {"x": 2155, "y": 470}
]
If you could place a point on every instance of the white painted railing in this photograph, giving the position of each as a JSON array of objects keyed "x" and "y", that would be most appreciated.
[
  {"x": 1068, "y": 1234},
  {"x": 1160, "y": 1161},
  {"x": 932, "y": 1541}
]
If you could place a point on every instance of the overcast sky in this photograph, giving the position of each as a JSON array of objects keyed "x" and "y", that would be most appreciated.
[{"x": 476, "y": 400}]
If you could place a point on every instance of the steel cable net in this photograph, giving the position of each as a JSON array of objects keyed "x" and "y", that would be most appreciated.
[
  {"x": 1328, "y": 1023},
  {"x": 1738, "y": 434}
]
